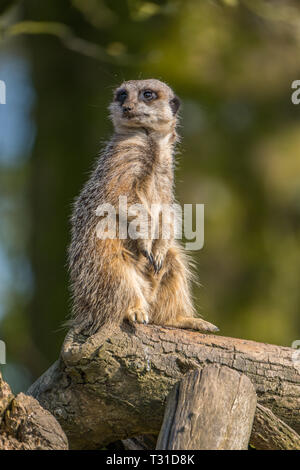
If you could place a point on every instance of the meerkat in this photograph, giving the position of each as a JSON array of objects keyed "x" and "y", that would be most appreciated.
[{"x": 146, "y": 280}]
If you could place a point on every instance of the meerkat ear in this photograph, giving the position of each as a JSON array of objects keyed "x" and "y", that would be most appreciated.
[{"x": 174, "y": 104}]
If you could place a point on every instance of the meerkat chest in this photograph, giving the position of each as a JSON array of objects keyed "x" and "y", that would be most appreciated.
[{"x": 161, "y": 187}]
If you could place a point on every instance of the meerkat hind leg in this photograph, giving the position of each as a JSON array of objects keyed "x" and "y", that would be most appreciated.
[
  {"x": 194, "y": 324},
  {"x": 173, "y": 303}
]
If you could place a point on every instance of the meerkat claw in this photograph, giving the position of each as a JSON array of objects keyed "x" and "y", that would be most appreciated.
[
  {"x": 142, "y": 317},
  {"x": 147, "y": 255},
  {"x": 157, "y": 267},
  {"x": 157, "y": 264}
]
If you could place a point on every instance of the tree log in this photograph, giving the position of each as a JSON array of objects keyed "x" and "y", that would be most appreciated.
[
  {"x": 209, "y": 409},
  {"x": 25, "y": 425},
  {"x": 114, "y": 385}
]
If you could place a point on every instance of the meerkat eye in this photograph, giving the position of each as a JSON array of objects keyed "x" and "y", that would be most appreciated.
[
  {"x": 121, "y": 96},
  {"x": 149, "y": 95}
]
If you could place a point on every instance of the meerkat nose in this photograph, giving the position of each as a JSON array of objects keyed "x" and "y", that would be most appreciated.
[{"x": 126, "y": 109}]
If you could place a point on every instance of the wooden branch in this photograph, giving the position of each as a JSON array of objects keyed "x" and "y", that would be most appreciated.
[
  {"x": 25, "y": 425},
  {"x": 102, "y": 390},
  {"x": 209, "y": 409},
  {"x": 271, "y": 433}
]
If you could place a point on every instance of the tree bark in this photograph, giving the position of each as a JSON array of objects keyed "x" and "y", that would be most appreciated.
[
  {"x": 114, "y": 385},
  {"x": 25, "y": 425},
  {"x": 209, "y": 409}
]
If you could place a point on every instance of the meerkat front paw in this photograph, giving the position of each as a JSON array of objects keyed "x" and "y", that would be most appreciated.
[
  {"x": 155, "y": 254},
  {"x": 136, "y": 315},
  {"x": 159, "y": 252},
  {"x": 156, "y": 260}
]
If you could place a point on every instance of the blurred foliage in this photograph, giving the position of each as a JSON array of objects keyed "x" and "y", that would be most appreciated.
[{"x": 232, "y": 62}]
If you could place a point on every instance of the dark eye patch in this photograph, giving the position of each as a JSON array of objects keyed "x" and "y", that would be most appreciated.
[
  {"x": 121, "y": 96},
  {"x": 149, "y": 95}
]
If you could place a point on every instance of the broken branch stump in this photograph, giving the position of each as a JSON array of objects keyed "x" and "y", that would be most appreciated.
[{"x": 209, "y": 409}]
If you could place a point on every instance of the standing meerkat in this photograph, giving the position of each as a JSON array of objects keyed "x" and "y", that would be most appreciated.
[{"x": 146, "y": 280}]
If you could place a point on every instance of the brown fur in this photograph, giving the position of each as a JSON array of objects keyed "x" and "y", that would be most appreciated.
[{"x": 116, "y": 279}]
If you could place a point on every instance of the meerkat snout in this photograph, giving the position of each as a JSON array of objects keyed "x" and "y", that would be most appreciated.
[{"x": 126, "y": 109}]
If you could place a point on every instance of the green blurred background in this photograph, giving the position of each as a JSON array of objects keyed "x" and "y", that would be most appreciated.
[{"x": 232, "y": 63}]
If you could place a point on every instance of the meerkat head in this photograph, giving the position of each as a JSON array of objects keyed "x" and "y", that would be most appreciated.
[{"x": 147, "y": 104}]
